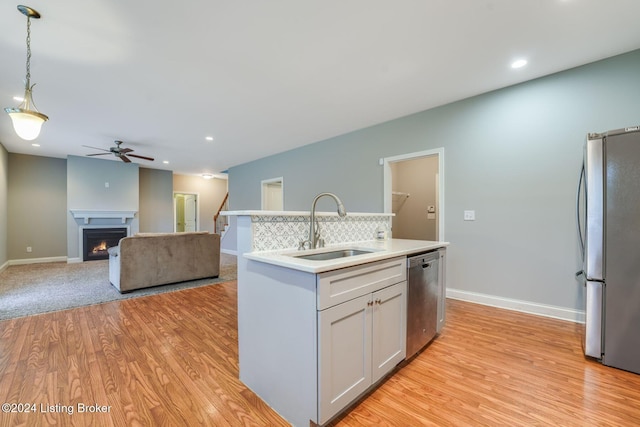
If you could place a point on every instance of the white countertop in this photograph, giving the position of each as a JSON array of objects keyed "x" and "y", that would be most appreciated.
[{"x": 381, "y": 250}]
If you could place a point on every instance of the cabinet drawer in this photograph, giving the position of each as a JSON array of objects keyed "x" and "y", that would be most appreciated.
[{"x": 335, "y": 287}]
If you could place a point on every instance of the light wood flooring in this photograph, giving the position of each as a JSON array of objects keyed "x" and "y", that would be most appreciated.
[{"x": 171, "y": 360}]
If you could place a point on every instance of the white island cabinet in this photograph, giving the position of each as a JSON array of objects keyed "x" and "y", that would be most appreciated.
[
  {"x": 363, "y": 338},
  {"x": 313, "y": 336}
]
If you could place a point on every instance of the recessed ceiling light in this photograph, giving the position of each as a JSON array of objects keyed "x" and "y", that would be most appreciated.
[
  {"x": 166, "y": 162},
  {"x": 35, "y": 145},
  {"x": 209, "y": 138},
  {"x": 519, "y": 63}
]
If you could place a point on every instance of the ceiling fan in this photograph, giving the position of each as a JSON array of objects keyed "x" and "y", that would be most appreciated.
[{"x": 122, "y": 153}]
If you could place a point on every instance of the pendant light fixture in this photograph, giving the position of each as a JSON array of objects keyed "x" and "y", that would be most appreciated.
[{"x": 26, "y": 118}]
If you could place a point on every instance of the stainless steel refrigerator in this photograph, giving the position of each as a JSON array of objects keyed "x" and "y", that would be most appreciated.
[{"x": 611, "y": 247}]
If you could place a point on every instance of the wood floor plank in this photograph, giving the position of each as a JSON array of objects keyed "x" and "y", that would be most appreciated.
[{"x": 172, "y": 360}]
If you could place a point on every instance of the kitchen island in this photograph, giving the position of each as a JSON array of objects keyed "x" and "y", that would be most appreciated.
[{"x": 314, "y": 335}]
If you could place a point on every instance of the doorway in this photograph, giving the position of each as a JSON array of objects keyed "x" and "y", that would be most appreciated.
[
  {"x": 273, "y": 194},
  {"x": 414, "y": 192},
  {"x": 186, "y": 212}
]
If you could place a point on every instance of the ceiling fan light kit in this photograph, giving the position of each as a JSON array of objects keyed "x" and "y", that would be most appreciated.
[{"x": 27, "y": 120}]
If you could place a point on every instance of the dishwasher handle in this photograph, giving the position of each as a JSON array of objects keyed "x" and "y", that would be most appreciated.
[{"x": 424, "y": 260}]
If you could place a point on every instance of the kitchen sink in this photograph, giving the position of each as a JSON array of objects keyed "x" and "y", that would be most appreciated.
[{"x": 341, "y": 253}]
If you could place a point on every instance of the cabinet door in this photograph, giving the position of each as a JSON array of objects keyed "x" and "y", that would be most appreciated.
[
  {"x": 389, "y": 328},
  {"x": 344, "y": 355}
]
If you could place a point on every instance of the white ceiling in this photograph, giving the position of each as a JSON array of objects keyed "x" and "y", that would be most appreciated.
[{"x": 263, "y": 77}]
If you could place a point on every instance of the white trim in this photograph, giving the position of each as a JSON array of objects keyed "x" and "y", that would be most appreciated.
[
  {"x": 3, "y": 266},
  {"x": 74, "y": 260},
  {"x": 555, "y": 312},
  {"x": 81, "y": 229},
  {"x": 36, "y": 260},
  {"x": 229, "y": 252},
  {"x": 88, "y": 215},
  {"x": 386, "y": 165}
]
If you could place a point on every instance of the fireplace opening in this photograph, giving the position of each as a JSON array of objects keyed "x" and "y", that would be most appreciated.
[{"x": 96, "y": 241}]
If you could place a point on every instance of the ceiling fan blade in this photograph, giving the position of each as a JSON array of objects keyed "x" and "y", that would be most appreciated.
[
  {"x": 98, "y": 154},
  {"x": 125, "y": 150},
  {"x": 124, "y": 158},
  {"x": 151, "y": 159},
  {"x": 95, "y": 148}
]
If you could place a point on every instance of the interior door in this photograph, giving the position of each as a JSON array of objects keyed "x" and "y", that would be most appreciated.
[
  {"x": 190, "y": 209},
  {"x": 179, "y": 201}
]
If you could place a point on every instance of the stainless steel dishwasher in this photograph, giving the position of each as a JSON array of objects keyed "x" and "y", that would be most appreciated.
[{"x": 425, "y": 299}]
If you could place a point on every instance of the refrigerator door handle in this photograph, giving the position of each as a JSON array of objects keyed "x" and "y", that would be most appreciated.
[{"x": 579, "y": 224}]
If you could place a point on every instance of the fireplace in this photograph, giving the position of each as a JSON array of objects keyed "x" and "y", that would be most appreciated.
[{"x": 96, "y": 241}]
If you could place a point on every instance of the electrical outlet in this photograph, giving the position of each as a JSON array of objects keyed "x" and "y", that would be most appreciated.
[
  {"x": 29, "y": 249},
  {"x": 469, "y": 215}
]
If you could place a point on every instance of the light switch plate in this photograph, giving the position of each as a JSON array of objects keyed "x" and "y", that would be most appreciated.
[{"x": 469, "y": 215}]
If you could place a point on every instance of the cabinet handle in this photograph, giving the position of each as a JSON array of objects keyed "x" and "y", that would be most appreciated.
[
  {"x": 378, "y": 301},
  {"x": 369, "y": 303}
]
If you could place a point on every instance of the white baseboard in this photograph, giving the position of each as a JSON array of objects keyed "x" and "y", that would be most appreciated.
[
  {"x": 3, "y": 266},
  {"x": 36, "y": 260},
  {"x": 229, "y": 252},
  {"x": 74, "y": 260},
  {"x": 555, "y": 312}
]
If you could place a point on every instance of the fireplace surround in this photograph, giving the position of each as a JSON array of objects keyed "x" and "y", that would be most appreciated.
[{"x": 94, "y": 219}]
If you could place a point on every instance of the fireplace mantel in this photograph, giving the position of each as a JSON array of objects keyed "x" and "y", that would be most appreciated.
[{"x": 88, "y": 214}]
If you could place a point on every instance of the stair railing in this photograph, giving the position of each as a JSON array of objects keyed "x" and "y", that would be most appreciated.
[{"x": 219, "y": 221}]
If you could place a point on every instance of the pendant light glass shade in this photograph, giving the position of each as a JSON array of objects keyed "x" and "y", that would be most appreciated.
[{"x": 27, "y": 120}]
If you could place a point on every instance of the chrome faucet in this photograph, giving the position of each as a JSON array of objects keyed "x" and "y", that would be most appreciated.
[{"x": 314, "y": 233}]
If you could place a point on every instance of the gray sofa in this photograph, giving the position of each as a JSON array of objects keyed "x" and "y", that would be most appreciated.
[{"x": 152, "y": 259}]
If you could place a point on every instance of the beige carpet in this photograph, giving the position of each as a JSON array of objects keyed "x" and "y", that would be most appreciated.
[{"x": 31, "y": 289}]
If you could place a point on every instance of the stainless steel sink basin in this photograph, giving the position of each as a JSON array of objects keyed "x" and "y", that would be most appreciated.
[{"x": 342, "y": 253}]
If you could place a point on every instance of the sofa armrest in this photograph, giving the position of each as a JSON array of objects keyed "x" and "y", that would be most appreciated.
[{"x": 114, "y": 266}]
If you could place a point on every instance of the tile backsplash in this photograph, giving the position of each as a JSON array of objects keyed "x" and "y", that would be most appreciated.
[{"x": 274, "y": 232}]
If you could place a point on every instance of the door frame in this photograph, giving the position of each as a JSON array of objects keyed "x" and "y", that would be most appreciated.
[
  {"x": 264, "y": 183},
  {"x": 387, "y": 186},
  {"x": 188, "y": 193}
]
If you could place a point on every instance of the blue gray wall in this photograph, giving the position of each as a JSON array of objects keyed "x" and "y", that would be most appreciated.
[
  {"x": 512, "y": 155},
  {"x": 86, "y": 190}
]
